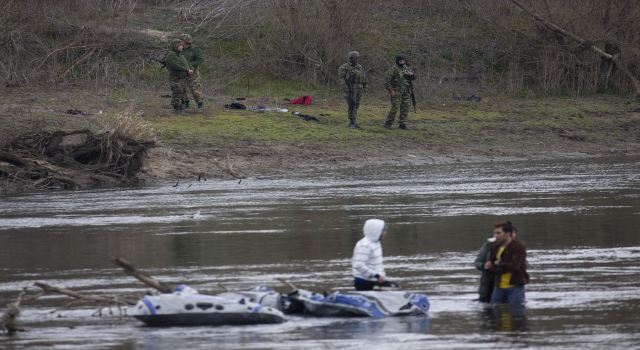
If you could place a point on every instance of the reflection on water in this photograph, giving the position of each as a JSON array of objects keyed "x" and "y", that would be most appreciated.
[
  {"x": 579, "y": 220},
  {"x": 504, "y": 318}
]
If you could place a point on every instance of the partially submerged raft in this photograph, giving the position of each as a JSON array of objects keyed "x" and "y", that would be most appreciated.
[
  {"x": 348, "y": 304},
  {"x": 185, "y": 307}
]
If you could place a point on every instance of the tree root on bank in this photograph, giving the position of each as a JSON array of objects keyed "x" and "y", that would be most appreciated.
[{"x": 30, "y": 158}]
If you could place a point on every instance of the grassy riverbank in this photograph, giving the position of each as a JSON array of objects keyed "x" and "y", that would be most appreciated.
[{"x": 264, "y": 142}]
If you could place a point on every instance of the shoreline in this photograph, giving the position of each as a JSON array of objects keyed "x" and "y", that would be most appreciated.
[{"x": 181, "y": 165}]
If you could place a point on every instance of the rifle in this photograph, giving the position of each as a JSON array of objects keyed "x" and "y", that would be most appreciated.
[
  {"x": 413, "y": 96},
  {"x": 352, "y": 96},
  {"x": 163, "y": 63}
]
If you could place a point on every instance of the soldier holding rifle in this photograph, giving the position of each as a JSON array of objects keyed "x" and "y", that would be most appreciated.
[
  {"x": 400, "y": 86},
  {"x": 354, "y": 83}
]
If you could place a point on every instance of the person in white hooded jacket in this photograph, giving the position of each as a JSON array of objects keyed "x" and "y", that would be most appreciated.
[{"x": 368, "y": 270}]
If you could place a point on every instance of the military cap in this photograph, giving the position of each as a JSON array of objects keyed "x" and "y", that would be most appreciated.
[
  {"x": 175, "y": 43},
  {"x": 186, "y": 38},
  {"x": 354, "y": 54}
]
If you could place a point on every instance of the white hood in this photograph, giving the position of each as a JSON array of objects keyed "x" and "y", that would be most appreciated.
[{"x": 373, "y": 229}]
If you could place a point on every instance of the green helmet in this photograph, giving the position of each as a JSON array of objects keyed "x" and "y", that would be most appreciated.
[
  {"x": 175, "y": 43},
  {"x": 186, "y": 38}
]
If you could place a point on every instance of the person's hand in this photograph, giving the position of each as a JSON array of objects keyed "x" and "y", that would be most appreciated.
[
  {"x": 487, "y": 265},
  {"x": 381, "y": 279},
  {"x": 409, "y": 73},
  {"x": 393, "y": 93},
  {"x": 497, "y": 262},
  {"x": 190, "y": 71}
]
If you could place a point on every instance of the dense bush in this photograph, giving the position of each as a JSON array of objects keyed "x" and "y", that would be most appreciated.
[{"x": 453, "y": 45}]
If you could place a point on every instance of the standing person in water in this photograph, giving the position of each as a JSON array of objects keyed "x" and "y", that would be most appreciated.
[
  {"x": 507, "y": 261},
  {"x": 486, "y": 279},
  {"x": 368, "y": 270}
]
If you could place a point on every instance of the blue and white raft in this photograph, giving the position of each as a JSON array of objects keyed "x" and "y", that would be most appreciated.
[
  {"x": 265, "y": 296},
  {"x": 185, "y": 307},
  {"x": 362, "y": 304}
]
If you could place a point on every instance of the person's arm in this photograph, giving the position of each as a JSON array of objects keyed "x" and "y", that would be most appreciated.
[
  {"x": 489, "y": 265},
  {"x": 176, "y": 63},
  {"x": 518, "y": 257},
  {"x": 198, "y": 59},
  {"x": 482, "y": 257},
  {"x": 361, "y": 255},
  {"x": 342, "y": 72},
  {"x": 388, "y": 82}
]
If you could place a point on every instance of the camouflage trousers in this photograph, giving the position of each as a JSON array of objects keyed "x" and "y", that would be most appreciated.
[
  {"x": 178, "y": 86},
  {"x": 195, "y": 85},
  {"x": 402, "y": 101},
  {"x": 358, "y": 96}
]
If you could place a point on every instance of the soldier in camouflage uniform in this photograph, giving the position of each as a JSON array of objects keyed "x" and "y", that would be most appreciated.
[
  {"x": 179, "y": 69},
  {"x": 352, "y": 71},
  {"x": 397, "y": 83},
  {"x": 193, "y": 55}
]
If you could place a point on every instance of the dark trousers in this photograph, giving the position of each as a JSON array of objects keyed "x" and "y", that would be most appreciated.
[
  {"x": 365, "y": 285},
  {"x": 487, "y": 298}
]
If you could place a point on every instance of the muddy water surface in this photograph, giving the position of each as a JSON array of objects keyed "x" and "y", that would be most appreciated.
[{"x": 579, "y": 220}]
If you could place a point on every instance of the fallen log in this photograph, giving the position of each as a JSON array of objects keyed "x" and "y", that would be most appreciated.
[
  {"x": 130, "y": 270},
  {"x": 15, "y": 160},
  {"x": 32, "y": 170},
  {"x": 109, "y": 300}
]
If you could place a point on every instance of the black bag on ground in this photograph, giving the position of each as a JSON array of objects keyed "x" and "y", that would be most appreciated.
[{"x": 235, "y": 105}]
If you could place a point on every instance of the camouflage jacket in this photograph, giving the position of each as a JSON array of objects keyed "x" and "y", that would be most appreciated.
[
  {"x": 397, "y": 78},
  {"x": 176, "y": 63},
  {"x": 347, "y": 70},
  {"x": 194, "y": 56}
]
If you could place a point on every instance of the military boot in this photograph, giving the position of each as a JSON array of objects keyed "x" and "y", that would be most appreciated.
[
  {"x": 186, "y": 104},
  {"x": 352, "y": 123},
  {"x": 355, "y": 125},
  {"x": 200, "y": 105},
  {"x": 178, "y": 110}
]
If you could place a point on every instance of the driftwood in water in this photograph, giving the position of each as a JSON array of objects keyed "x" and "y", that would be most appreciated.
[
  {"x": 129, "y": 269},
  {"x": 287, "y": 283},
  {"x": 13, "y": 311},
  {"x": 107, "y": 300}
]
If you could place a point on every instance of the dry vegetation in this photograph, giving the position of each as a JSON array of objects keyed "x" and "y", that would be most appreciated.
[
  {"x": 495, "y": 45},
  {"x": 515, "y": 48}
]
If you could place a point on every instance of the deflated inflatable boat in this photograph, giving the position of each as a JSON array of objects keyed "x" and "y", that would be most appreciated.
[
  {"x": 363, "y": 304},
  {"x": 185, "y": 307}
]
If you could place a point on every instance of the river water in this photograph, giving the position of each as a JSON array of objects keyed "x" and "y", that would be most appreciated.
[{"x": 579, "y": 219}]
